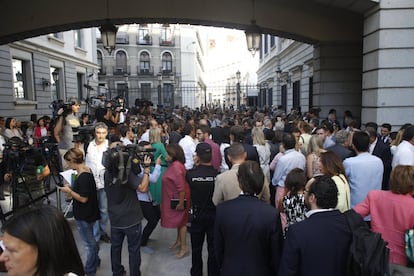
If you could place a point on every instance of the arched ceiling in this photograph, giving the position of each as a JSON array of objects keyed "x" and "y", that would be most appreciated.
[{"x": 304, "y": 20}]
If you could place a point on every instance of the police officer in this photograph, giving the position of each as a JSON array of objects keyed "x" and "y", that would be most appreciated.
[{"x": 201, "y": 180}]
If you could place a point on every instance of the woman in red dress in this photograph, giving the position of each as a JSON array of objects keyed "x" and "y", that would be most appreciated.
[{"x": 174, "y": 186}]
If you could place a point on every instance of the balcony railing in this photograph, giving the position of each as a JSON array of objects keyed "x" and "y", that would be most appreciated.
[
  {"x": 102, "y": 70},
  {"x": 166, "y": 71},
  {"x": 167, "y": 41},
  {"x": 145, "y": 71},
  {"x": 144, "y": 40},
  {"x": 122, "y": 39},
  {"x": 120, "y": 71}
]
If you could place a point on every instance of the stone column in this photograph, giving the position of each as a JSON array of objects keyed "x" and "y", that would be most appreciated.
[
  {"x": 337, "y": 78},
  {"x": 388, "y": 64}
]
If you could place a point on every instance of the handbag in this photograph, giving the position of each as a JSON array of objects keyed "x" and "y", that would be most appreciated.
[
  {"x": 409, "y": 247},
  {"x": 174, "y": 202}
]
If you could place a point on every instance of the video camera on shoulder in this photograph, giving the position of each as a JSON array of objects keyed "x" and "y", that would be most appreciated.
[
  {"x": 117, "y": 102},
  {"x": 140, "y": 152},
  {"x": 58, "y": 104},
  {"x": 14, "y": 152}
]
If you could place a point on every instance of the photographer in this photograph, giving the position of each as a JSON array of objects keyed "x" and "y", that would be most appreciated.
[
  {"x": 67, "y": 121},
  {"x": 109, "y": 115},
  {"x": 26, "y": 168}
]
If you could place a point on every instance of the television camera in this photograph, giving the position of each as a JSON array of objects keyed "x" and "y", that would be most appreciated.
[
  {"x": 83, "y": 134},
  {"x": 58, "y": 104},
  {"x": 121, "y": 158}
]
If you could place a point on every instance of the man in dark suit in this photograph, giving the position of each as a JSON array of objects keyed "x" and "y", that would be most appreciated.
[
  {"x": 378, "y": 148},
  {"x": 248, "y": 232},
  {"x": 341, "y": 148},
  {"x": 318, "y": 245},
  {"x": 237, "y": 136}
]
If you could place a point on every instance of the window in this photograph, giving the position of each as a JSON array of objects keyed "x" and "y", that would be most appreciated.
[
  {"x": 122, "y": 90},
  {"x": 272, "y": 41},
  {"x": 100, "y": 60},
  {"x": 78, "y": 38},
  {"x": 296, "y": 94},
  {"x": 144, "y": 37},
  {"x": 283, "y": 99},
  {"x": 19, "y": 79},
  {"x": 166, "y": 35},
  {"x": 270, "y": 96},
  {"x": 266, "y": 46},
  {"x": 168, "y": 95},
  {"x": 121, "y": 62},
  {"x": 146, "y": 91},
  {"x": 166, "y": 63},
  {"x": 310, "y": 92},
  {"x": 144, "y": 63},
  {"x": 58, "y": 35},
  {"x": 80, "y": 82}
]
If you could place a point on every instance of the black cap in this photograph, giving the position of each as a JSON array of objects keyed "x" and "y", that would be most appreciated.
[{"x": 203, "y": 148}]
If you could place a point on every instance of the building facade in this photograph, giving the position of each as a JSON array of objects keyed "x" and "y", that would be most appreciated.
[
  {"x": 161, "y": 63},
  {"x": 372, "y": 77},
  {"x": 37, "y": 71}
]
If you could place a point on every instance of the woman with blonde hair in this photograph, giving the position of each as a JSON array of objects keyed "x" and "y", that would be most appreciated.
[
  {"x": 160, "y": 151},
  {"x": 331, "y": 165},
  {"x": 263, "y": 150},
  {"x": 313, "y": 159}
]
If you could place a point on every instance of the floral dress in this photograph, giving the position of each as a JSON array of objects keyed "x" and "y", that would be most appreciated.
[{"x": 295, "y": 209}]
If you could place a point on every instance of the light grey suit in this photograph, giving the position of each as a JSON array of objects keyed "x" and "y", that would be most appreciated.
[{"x": 227, "y": 187}]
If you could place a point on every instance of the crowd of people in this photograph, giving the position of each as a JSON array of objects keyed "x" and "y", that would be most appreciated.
[{"x": 266, "y": 189}]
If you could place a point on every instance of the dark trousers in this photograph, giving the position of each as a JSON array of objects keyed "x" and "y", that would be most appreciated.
[
  {"x": 201, "y": 227},
  {"x": 152, "y": 214},
  {"x": 133, "y": 235}
]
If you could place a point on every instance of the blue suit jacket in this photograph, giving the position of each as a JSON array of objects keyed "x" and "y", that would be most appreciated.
[
  {"x": 248, "y": 237},
  {"x": 317, "y": 246}
]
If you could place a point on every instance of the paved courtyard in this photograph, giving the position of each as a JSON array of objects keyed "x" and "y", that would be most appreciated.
[{"x": 161, "y": 262}]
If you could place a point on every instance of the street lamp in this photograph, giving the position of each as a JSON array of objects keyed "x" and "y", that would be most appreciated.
[
  {"x": 159, "y": 88},
  {"x": 238, "y": 89},
  {"x": 108, "y": 34}
]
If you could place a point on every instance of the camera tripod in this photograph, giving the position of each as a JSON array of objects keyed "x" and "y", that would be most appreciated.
[{"x": 21, "y": 195}]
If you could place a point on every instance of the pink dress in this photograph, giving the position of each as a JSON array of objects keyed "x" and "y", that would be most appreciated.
[{"x": 173, "y": 182}]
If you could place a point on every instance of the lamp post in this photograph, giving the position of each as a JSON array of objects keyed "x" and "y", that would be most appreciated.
[
  {"x": 159, "y": 88},
  {"x": 55, "y": 77},
  {"x": 238, "y": 89}
]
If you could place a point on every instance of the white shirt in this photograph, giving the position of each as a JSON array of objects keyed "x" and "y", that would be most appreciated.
[
  {"x": 189, "y": 146},
  {"x": 153, "y": 177},
  {"x": 145, "y": 136},
  {"x": 372, "y": 146},
  {"x": 93, "y": 160},
  {"x": 125, "y": 141},
  {"x": 404, "y": 154}
]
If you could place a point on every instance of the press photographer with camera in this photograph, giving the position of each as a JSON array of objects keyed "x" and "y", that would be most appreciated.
[
  {"x": 66, "y": 126},
  {"x": 109, "y": 114},
  {"x": 25, "y": 168}
]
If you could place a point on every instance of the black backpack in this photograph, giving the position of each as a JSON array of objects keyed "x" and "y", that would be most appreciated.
[{"x": 368, "y": 252}]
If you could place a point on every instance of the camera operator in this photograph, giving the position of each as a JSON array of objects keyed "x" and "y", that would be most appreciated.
[
  {"x": 27, "y": 167},
  {"x": 109, "y": 115},
  {"x": 125, "y": 216},
  {"x": 67, "y": 121}
]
